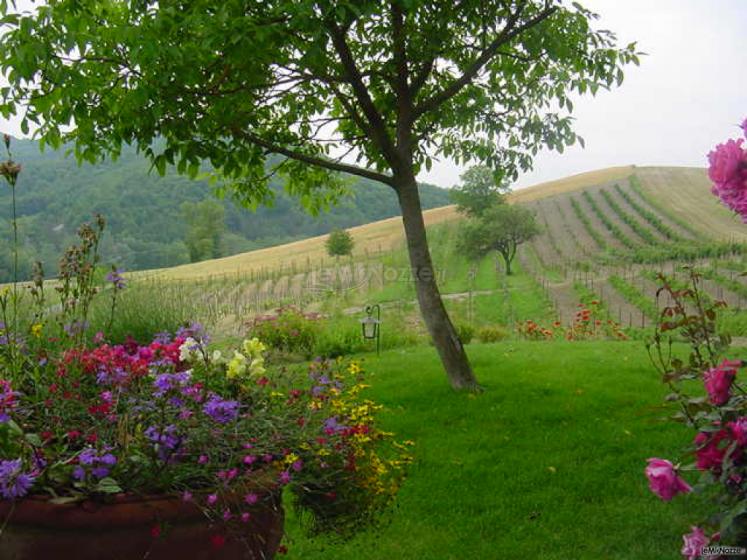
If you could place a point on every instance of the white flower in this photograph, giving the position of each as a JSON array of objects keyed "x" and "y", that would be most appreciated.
[{"x": 188, "y": 349}]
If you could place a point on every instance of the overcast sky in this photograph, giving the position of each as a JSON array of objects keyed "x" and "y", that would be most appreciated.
[{"x": 689, "y": 93}]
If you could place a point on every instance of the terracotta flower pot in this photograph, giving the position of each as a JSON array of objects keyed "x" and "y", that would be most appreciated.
[{"x": 129, "y": 528}]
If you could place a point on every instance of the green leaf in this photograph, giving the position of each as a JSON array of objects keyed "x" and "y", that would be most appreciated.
[{"x": 108, "y": 486}]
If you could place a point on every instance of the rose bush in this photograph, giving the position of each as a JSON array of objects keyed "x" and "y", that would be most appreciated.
[
  {"x": 728, "y": 171},
  {"x": 711, "y": 400}
]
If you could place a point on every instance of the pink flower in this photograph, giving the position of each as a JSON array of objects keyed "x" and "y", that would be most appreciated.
[
  {"x": 663, "y": 479},
  {"x": 251, "y": 498},
  {"x": 212, "y": 499},
  {"x": 718, "y": 381},
  {"x": 743, "y": 126},
  {"x": 725, "y": 161},
  {"x": 739, "y": 430},
  {"x": 285, "y": 477},
  {"x": 694, "y": 543},
  {"x": 245, "y": 517},
  {"x": 187, "y": 496},
  {"x": 709, "y": 452}
]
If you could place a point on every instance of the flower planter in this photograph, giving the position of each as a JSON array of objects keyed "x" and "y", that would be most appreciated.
[{"x": 160, "y": 528}]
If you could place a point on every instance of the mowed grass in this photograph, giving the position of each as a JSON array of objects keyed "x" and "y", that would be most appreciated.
[{"x": 546, "y": 463}]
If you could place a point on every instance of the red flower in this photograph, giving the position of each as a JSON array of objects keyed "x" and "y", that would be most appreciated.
[
  {"x": 155, "y": 531},
  {"x": 218, "y": 541}
]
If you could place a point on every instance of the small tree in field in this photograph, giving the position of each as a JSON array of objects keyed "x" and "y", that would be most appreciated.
[
  {"x": 233, "y": 82},
  {"x": 339, "y": 243},
  {"x": 479, "y": 191},
  {"x": 501, "y": 229}
]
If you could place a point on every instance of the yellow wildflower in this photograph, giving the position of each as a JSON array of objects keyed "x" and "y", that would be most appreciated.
[
  {"x": 254, "y": 348},
  {"x": 36, "y": 330},
  {"x": 237, "y": 366}
]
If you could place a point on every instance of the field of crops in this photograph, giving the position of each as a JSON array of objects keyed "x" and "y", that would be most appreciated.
[
  {"x": 605, "y": 236},
  {"x": 610, "y": 240}
]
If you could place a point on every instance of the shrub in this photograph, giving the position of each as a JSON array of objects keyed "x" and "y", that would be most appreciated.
[
  {"x": 465, "y": 332},
  {"x": 288, "y": 330},
  {"x": 492, "y": 333},
  {"x": 338, "y": 342}
]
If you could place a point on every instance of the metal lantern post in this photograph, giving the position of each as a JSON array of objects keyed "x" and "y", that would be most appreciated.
[{"x": 371, "y": 325}]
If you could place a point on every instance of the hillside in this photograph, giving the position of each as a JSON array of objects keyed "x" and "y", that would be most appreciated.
[
  {"x": 144, "y": 211},
  {"x": 682, "y": 192}
]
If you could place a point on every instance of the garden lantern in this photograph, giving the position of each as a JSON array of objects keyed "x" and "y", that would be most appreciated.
[{"x": 371, "y": 325}]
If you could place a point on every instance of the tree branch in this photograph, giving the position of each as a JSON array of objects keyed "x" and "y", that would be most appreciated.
[
  {"x": 508, "y": 33},
  {"x": 354, "y": 78},
  {"x": 313, "y": 160}
]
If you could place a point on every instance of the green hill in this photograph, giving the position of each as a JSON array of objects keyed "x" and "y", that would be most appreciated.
[{"x": 145, "y": 224}]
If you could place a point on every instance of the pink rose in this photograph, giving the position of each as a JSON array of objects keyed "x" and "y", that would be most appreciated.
[
  {"x": 739, "y": 430},
  {"x": 663, "y": 479},
  {"x": 725, "y": 161},
  {"x": 718, "y": 381},
  {"x": 709, "y": 452},
  {"x": 694, "y": 543}
]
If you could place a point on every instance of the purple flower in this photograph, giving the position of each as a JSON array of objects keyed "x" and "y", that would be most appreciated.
[
  {"x": 166, "y": 382},
  {"x": 88, "y": 457},
  {"x": 13, "y": 482},
  {"x": 222, "y": 411},
  {"x": 195, "y": 330},
  {"x": 166, "y": 441},
  {"x": 116, "y": 279},
  {"x": 79, "y": 473},
  {"x": 284, "y": 477},
  {"x": 100, "y": 472},
  {"x": 187, "y": 496},
  {"x": 332, "y": 426},
  {"x": 162, "y": 338},
  {"x": 108, "y": 459},
  {"x": 212, "y": 499},
  {"x": 297, "y": 465}
]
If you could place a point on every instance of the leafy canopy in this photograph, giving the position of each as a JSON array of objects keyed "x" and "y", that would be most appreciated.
[
  {"x": 339, "y": 243},
  {"x": 501, "y": 228},
  {"x": 478, "y": 192},
  {"x": 394, "y": 83}
]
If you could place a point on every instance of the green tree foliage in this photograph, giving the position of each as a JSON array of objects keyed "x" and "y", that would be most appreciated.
[
  {"x": 205, "y": 228},
  {"x": 501, "y": 229},
  {"x": 397, "y": 83},
  {"x": 339, "y": 243},
  {"x": 479, "y": 191},
  {"x": 145, "y": 226}
]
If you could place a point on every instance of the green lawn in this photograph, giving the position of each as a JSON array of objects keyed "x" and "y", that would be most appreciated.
[{"x": 547, "y": 463}]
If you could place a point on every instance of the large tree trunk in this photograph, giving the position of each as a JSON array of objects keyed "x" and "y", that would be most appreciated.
[{"x": 434, "y": 313}]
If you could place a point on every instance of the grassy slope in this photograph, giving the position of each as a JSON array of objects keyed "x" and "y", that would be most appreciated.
[
  {"x": 381, "y": 235},
  {"x": 686, "y": 191},
  {"x": 547, "y": 463}
]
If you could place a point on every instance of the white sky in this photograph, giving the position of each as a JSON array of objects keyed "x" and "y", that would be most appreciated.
[{"x": 689, "y": 93}]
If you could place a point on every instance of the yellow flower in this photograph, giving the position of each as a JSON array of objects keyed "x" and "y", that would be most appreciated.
[
  {"x": 36, "y": 330},
  {"x": 237, "y": 366},
  {"x": 254, "y": 348},
  {"x": 354, "y": 368},
  {"x": 291, "y": 458}
]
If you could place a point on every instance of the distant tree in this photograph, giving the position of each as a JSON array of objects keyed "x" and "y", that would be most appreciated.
[
  {"x": 501, "y": 229},
  {"x": 205, "y": 227},
  {"x": 480, "y": 190},
  {"x": 339, "y": 243},
  {"x": 396, "y": 83}
]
